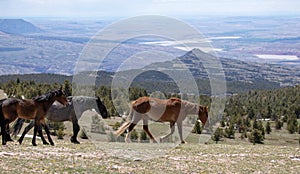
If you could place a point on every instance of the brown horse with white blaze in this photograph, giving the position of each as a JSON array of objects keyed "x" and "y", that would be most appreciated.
[
  {"x": 35, "y": 109},
  {"x": 172, "y": 110}
]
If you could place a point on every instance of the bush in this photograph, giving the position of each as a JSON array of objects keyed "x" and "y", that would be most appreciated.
[
  {"x": 144, "y": 137},
  {"x": 134, "y": 135},
  {"x": 229, "y": 132},
  {"x": 268, "y": 128},
  {"x": 292, "y": 124},
  {"x": 60, "y": 134},
  {"x": 256, "y": 136},
  {"x": 197, "y": 128},
  {"x": 217, "y": 135},
  {"x": 278, "y": 124}
]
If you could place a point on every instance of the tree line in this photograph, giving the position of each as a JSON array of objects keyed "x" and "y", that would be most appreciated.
[{"x": 243, "y": 112}]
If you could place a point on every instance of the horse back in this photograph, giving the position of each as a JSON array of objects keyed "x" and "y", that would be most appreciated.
[
  {"x": 13, "y": 108},
  {"x": 61, "y": 113}
]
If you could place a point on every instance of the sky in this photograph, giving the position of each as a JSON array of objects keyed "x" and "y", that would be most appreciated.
[{"x": 126, "y": 8}]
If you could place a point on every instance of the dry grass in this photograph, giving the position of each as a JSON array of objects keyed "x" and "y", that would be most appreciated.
[{"x": 65, "y": 157}]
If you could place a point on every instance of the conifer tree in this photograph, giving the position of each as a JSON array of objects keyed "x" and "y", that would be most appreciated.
[{"x": 268, "y": 128}]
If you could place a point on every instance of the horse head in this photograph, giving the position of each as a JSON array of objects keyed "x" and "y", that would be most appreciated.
[
  {"x": 203, "y": 114},
  {"x": 61, "y": 97}
]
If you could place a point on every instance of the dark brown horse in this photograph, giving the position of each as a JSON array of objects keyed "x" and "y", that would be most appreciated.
[
  {"x": 35, "y": 109},
  {"x": 173, "y": 110}
]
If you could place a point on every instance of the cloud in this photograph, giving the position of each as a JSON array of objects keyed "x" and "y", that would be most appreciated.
[{"x": 65, "y": 8}]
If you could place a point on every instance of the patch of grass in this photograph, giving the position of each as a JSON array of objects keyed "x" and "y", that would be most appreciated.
[{"x": 187, "y": 158}]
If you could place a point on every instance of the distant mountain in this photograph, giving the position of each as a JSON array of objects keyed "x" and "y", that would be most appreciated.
[
  {"x": 240, "y": 76},
  {"x": 235, "y": 70},
  {"x": 17, "y": 26}
]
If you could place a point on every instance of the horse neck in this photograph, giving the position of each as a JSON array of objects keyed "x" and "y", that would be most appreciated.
[
  {"x": 47, "y": 104},
  {"x": 81, "y": 107},
  {"x": 192, "y": 108}
]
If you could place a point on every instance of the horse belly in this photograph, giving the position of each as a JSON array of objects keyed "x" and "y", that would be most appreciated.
[
  {"x": 59, "y": 114},
  {"x": 162, "y": 117}
]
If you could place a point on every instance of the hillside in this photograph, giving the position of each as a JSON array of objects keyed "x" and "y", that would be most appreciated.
[
  {"x": 240, "y": 76},
  {"x": 17, "y": 26},
  {"x": 38, "y": 78}
]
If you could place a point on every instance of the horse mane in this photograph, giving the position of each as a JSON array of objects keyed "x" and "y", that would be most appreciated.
[{"x": 48, "y": 96}]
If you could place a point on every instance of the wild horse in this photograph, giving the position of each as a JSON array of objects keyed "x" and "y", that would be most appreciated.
[
  {"x": 172, "y": 110},
  {"x": 35, "y": 109},
  {"x": 58, "y": 113}
]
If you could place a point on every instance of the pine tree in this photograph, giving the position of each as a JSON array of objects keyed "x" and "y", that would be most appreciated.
[
  {"x": 67, "y": 88},
  {"x": 255, "y": 137},
  {"x": 134, "y": 135},
  {"x": 278, "y": 124},
  {"x": 292, "y": 124},
  {"x": 229, "y": 131},
  {"x": 268, "y": 128},
  {"x": 197, "y": 128},
  {"x": 144, "y": 137},
  {"x": 218, "y": 134}
]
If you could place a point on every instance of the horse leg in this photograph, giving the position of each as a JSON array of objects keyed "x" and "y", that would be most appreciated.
[
  {"x": 27, "y": 129},
  {"x": 3, "y": 132},
  {"x": 172, "y": 127},
  {"x": 7, "y": 137},
  {"x": 36, "y": 126},
  {"x": 76, "y": 129},
  {"x": 179, "y": 126},
  {"x": 48, "y": 133},
  {"x": 40, "y": 132},
  {"x": 130, "y": 128},
  {"x": 136, "y": 119},
  {"x": 146, "y": 129}
]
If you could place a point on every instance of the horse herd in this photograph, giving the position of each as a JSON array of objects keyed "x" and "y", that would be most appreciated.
[{"x": 44, "y": 107}]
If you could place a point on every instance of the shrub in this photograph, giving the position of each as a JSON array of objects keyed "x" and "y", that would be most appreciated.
[
  {"x": 60, "y": 134},
  {"x": 144, "y": 137},
  {"x": 256, "y": 136},
  {"x": 197, "y": 128},
  {"x": 217, "y": 135},
  {"x": 268, "y": 128}
]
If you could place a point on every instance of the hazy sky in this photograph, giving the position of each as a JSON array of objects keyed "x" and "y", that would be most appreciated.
[{"x": 98, "y": 8}]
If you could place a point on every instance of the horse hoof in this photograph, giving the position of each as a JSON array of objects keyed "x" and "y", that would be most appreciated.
[
  {"x": 9, "y": 139},
  {"x": 45, "y": 143},
  {"x": 33, "y": 144},
  {"x": 183, "y": 142},
  {"x": 20, "y": 142},
  {"x": 75, "y": 141},
  {"x": 52, "y": 144}
]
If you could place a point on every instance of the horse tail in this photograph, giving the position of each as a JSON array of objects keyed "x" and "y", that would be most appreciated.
[
  {"x": 1, "y": 113},
  {"x": 122, "y": 128},
  {"x": 126, "y": 124},
  {"x": 1, "y": 116},
  {"x": 17, "y": 126}
]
